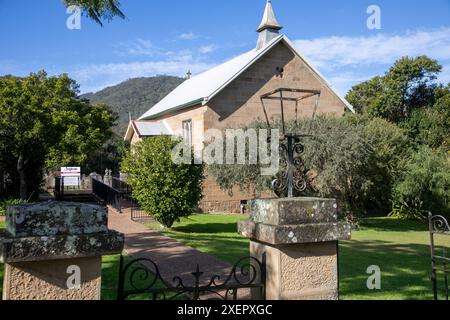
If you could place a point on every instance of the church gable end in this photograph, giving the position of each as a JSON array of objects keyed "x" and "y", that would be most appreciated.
[{"x": 239, "y": 103}]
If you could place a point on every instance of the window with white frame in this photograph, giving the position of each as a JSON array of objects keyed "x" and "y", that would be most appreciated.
[{"x": 187, "y": 132}]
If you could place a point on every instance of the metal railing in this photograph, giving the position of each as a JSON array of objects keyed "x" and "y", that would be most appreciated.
[
  {"x": 122, "y": 186},
  {"x": 142, "y": 276},
  {"x": 59, "y": 188},
  {"x": 438, "y": 226},
  {"x": 137, "y": 213},
  {"x": 107, "y": 194}
]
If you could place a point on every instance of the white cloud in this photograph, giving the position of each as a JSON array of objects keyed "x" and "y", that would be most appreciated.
[
  {"x": 207, "y": 49},
  {"x": 343, "y": 81},
  {"x": 347, "y": 61},
  {"x": 98, "y": 76},
  {"x": 444, "y": 77},
  {"x": 334, "y": 52},
  {"x": 188, "y": 36}
]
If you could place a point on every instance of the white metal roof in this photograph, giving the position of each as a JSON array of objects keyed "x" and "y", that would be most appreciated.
[
  {"x": 203, "y": 87},
  {"x": 148, "y": 129}
]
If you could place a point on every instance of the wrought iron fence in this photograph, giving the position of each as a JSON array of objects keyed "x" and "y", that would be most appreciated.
[
  {"x": 122, "y": 186},
  {"x": 137, "y": 213},
  {"x": 438, "y": 226},
  {"x": 59, "y": 188},
  {"x": 137, "y": 279},
  {"x": 107, "y": 194}
]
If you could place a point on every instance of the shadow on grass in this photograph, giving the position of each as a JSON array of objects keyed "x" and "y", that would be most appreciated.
[
  {"x": 207, "y": 228},
  {"x": 389, "y": 224},
  {"x": 227, "y": 248},
  {"x": 405, "y": 270}
]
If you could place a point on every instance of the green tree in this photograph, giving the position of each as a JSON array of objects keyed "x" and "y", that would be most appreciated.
[
  {"x": 337, "y": 158},
  {"x": 163, "y": 188},
  {"x": 43, "y": 122},
  {"x": 109, "y": 156},
  {"x": 424, "y": 185},
  {"x": 408, "y": 85},
  {"x": 98, "y": 10}
]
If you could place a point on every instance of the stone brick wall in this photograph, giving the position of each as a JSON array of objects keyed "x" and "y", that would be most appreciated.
[{"x": 239, "y": 104}]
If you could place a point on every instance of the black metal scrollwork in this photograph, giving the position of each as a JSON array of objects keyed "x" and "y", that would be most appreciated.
[
  {"x": 440, "y": 224},
  {"x": 247, "y": 273},
  {"x": 292, "y": 174}
]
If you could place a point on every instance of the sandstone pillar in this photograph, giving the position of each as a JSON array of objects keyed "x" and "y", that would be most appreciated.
[
  {"x": 53, "y": 251},
  {"x": 298, "y": 240}
]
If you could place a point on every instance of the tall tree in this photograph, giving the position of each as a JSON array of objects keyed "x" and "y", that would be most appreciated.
[
  {"x": 43, "y": 122},
  {"x": 98, "y": 10},
  {"x": 409, "y": 84}
]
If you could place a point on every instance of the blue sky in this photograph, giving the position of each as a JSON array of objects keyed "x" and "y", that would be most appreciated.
[{"x": 172, "y": 36}]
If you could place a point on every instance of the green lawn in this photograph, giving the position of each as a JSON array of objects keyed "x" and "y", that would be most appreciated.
[
  {"x": 213, "y": 234},
  {"x": 399, "y": 248}
]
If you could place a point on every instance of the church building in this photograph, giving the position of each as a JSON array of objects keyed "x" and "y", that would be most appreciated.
[{"x": 229, "y": 96}]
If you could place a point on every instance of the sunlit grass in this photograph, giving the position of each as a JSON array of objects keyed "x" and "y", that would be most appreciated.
[{"x": 399, "y": 248}]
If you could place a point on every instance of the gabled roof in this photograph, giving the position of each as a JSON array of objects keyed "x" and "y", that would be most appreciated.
[
  {"x": 205, "y": 86},
  {"x": 147, "y": 129}
]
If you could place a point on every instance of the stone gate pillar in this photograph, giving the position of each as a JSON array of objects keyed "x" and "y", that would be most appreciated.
[
  {"x": 53, "y": 251},
  {"x": 298, "y": 240}
]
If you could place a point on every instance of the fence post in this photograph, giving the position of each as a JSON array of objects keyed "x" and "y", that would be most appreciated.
[
  {"x": 297, "y": 239},
  {"x": 53, "y": 251}
]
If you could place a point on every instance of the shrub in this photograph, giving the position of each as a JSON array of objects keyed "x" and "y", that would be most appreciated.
[
  {"x": 5, "y": 203},
  {"x": 336, "y": 158},
  {"x": 167, "y": 190},
  {"x": 391, "y": 148},
  {"x": 424, "y": 185}
]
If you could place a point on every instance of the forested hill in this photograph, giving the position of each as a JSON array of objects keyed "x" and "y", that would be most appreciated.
[{"x": 135, "y": 95}]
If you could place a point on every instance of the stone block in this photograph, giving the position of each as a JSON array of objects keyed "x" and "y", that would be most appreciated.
[
  {"x": 59, "y": 247},
  {"x": 55, "y": 218},
  {"x": 44, "y": 242},
  {"x": 47, "y": 280},
  {"x": 294, "y": 234},
  {"x": 298, "y": 240},
  {"x": 287, "y": 211}
]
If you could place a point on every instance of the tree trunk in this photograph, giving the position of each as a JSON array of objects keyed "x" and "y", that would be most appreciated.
[{"x": 22, "y": 178}]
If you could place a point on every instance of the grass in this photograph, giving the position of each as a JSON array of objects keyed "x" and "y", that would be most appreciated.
[
  {"x": 399, "y": 248},
  {"x": 213, "y": 234}
]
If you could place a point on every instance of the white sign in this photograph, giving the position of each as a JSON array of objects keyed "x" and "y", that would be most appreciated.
[{"x": 71, "y": 176}]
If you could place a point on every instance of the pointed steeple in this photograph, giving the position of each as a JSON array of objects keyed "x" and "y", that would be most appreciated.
[{"x": 269, "y": 27}]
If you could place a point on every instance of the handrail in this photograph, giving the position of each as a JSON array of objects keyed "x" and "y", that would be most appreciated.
[
  {"x": 101, "y": 182},
  {"x": 108, "y": 194}
]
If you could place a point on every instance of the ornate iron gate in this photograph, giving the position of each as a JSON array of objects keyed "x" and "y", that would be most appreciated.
[
  {"x": 135, "y": 278},
  {"x": 438, "y": 226}
]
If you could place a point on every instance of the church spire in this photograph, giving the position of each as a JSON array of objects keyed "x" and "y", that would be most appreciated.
[{"x": 269, "y": 27}]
